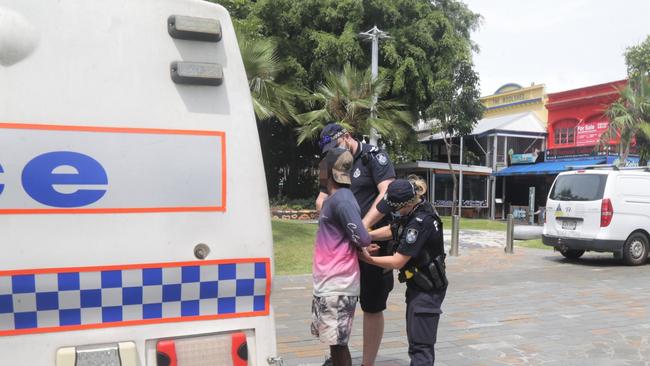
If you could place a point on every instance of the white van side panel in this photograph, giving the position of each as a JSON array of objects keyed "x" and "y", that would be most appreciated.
[
  {"x": 105, "y": 64},
  {"x": 633, "y": 201}
]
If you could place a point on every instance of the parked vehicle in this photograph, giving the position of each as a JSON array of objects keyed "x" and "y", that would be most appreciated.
[
  {"x": 134, "y": 218},
  {"x": 600, "y": 208}
]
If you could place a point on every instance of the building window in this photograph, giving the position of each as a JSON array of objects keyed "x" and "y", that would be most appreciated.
[
  {"x": 564, "y": 136},
  {"x": 564, "y": 133}
]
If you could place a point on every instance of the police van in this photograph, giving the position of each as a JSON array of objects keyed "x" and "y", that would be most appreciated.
[
  {"x": 134, "y": 219},
  {"x": 600, "y": 208}
]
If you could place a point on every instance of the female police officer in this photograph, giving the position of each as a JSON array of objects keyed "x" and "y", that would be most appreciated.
[{"x": 420, "y": 257}]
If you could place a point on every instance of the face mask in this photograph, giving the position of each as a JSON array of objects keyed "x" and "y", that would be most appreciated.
[{"x": 396, "y": 216}]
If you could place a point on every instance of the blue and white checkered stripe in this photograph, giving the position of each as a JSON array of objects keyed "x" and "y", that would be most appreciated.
[{"x": 33, "y": 301}]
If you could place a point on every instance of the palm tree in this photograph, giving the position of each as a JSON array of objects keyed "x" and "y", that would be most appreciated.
[
  {"x": 349, "y": 98},
  {"x": 629, "y": 116},
  {"x": 262, "y": 65}
]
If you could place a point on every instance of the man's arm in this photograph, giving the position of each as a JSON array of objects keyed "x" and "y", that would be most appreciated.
[
  {"x": 322, "y": 196},
  {"x": 373, "y": 216},
  {"x": 395, "y": 261},
  {"x": 350, "y": 220}
]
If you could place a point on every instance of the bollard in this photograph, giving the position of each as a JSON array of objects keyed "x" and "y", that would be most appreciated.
[
  {"x": 509, "y": 234},
  {"x": 455, "y": 221}
]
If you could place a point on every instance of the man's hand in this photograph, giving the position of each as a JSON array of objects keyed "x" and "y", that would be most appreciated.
[
  {"x": 365, "y": 256},
  {"x": 373, "y": 249}
]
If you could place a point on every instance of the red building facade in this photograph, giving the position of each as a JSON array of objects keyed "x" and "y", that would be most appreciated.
[{"x": 576, "y": 120}]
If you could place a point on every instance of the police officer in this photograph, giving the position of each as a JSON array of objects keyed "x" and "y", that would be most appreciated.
[
  {"x": 420, "y": 257},
  {"x": 372, "y": 172}
]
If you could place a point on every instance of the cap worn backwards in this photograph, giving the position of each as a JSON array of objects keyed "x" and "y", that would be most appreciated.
[{"x": 339, "y": 165}]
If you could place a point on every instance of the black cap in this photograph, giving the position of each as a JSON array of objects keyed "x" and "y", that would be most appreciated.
[
  {"x": 328, "y": 136},
  {"x": 338, "y": 163},
  {"x": 400, "y": 193}
]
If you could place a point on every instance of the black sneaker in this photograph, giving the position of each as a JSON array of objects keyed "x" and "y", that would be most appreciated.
[{"x": 328, "y": 361}]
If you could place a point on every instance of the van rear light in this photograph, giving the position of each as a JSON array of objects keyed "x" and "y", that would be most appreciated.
[
  {"x": 224, "y": 349},
  {"x": 606, "y": 212}
]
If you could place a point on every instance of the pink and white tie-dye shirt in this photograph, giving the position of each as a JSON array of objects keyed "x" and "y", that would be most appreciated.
[{"x": 340, "y": 233}]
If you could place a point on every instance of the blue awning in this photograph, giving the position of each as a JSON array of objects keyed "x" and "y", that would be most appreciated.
[{"x": 548, "y": 167}]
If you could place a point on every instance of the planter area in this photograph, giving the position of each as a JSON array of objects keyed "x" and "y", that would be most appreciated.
[{"x": 285, "y": 214}]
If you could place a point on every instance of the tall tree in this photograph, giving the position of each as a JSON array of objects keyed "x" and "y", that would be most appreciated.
[
  {"x": 348, "y": 97},
  {"x": 316, "y": 36},
  {"x": 456, "y": 111},
  {"x": 270, "y": 99},
  {"x": 629, "y": 118},
  {"x": 630, "y": 115}
]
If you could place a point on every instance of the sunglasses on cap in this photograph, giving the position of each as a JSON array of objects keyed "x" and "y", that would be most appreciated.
[{"x": 327, "y": 139}]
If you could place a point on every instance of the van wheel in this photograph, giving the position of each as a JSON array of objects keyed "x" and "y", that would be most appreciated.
[
  {"x": 635, "y": 250},
  {"x": 572, "y": 253}
]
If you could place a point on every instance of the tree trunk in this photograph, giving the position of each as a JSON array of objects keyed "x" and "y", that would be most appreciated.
[
  {"x": 453, "y": 175},
  {"x": 625, "y": 154}
]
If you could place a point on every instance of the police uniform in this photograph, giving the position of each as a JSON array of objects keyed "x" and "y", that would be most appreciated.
[
  {"x": 420, "y": 235},
  {"x": 371, "y": 167}
]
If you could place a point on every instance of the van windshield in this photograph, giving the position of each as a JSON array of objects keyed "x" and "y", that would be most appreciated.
[{"x": 579, "y": 187}]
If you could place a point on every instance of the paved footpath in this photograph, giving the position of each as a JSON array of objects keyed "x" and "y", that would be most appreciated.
[{"x": 529, "y": 308}]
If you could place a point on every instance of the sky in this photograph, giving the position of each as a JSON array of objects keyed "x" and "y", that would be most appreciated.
[{"x": 565, "y": 44}]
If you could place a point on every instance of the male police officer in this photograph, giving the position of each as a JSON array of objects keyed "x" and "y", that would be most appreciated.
[{"x": 372, "y": 172}]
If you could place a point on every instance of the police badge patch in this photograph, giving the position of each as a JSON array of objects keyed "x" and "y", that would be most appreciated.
[
  {"x": 411, "y": 236},
  {"x": 382, "y": 159},
  {"x": 357, "y": 173}
]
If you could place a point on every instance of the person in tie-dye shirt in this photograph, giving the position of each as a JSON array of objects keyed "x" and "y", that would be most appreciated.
[{"x": 336, "y": 266}]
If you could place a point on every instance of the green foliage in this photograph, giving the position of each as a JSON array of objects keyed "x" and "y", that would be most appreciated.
[
  {"x": 418, "y": 64},
  {"x": 630, "y": 114},
  {"x": 270, "y": 99},
  {"x": 637, "y": 59},
  {"x": 428, "y": 38},
  {"x": 348, "y": 97},
  {"x": 293, "y": 203}
]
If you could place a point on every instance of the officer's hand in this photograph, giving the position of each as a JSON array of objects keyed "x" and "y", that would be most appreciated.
[
  {"x": 365, "y": 256},
  {"x": 373, "y": 249}
]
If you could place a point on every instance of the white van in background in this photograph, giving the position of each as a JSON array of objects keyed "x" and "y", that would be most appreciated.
[
  {"x": 134, "y": 220},
  {"x": 600, "y": 208}
]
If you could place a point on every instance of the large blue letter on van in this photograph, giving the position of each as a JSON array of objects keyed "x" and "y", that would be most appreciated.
[{"x": 39, "y": 179}]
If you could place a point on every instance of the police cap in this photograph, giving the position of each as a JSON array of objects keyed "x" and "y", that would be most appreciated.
[
  {"x": 328, "y": 136},
  {"x": 400, "y": 193}
]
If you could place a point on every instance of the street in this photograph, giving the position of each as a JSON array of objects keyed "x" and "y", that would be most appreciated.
[{"x": 530, "y": 308}]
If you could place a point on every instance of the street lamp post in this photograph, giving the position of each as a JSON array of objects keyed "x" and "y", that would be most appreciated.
[{"x": 374, "y": 35}]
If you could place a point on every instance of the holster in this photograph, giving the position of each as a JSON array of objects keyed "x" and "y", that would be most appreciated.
[
  {"x": 429, "y": 276},
  {"x": 417, "y": 277},
  {"x": 437, "y": 271}
]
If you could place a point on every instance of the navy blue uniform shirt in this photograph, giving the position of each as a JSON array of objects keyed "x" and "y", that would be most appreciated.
[
  {"x": 423, "y": 231},
  {"x": 371, "y": 167}
]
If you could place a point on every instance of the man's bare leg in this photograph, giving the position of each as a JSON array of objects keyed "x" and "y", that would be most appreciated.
[
  {"x": 373, "y": 331},
  {"x": 340, "y": 356}
]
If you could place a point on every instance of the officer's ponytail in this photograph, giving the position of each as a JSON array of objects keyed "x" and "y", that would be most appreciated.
[{"x": 419, "y": 184}]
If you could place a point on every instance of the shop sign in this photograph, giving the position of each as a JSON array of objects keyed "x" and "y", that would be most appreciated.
[
  {"x": 588, "y": 133},
  {"x": 529, "y": 158},
  {"x": 522, "y": 158}
]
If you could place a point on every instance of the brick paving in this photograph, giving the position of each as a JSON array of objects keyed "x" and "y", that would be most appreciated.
[{"x": 529, "y": 308}]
